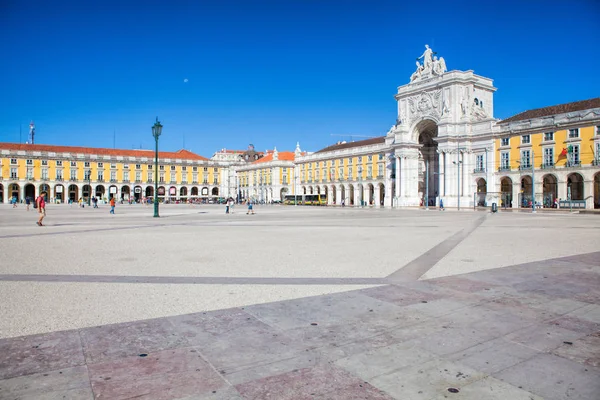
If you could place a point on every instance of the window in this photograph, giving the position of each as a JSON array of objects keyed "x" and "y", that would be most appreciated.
[
  {"x": 205, "y": 179},
  {"x": 126, "y": 176},
  {"x": 29, "y": 162},
  {"x": 113, "y": 176},
  {"x": 59, "y": 175},
  {"x": 161, "y": 167},
  {"x": 548, "y": 157},
  {"x": 113, "y": 166},
  {"x": 350, "y": 173},
  {"x": 100, "y": 165},
  {"x": 205, "y": 169},
  {"x": 370, "y": 158},
  {"x": 88, "y": 175},
  {"x": 13, "y": 161},
  {"x": 161, "y": 177},
  {"x": 369, "y": 171},
  {"x": 350, "y": 161},
  {"x": 29, "y": 173},
  {"x": 194, "y": 178},
  {"x": 573, "y": 156},
  {"x": 138, "y": 176},
  {"x": 381, "y": 157},
  {"x": 341, "y": 173},
  {"x": 479, "y": 161},
  {"x": 505, "y": 141},
  {"x": 73, "y": 174},
  {"x": 44, "y": 162},
  {"x": 573, "y": 133},
  {"x": 505, "y": 160},
  {"x": 13, "y": 173},
  {"x": 184, "y": 177},
  {"x": 359, "y": 159},
  {"x": 216, "y": 180},
  {"x": 59, "y": 163},
  {"x": 125, "y": 166},
  {"x": 150, "y": 177},
  {"x": 194, "y": 169},
  {"x": 380, "y": 171},
  {"x": 73, "y": 163},
  {"x": 526, "y": 139},
  {"x": 86, "y": 164},
  {"x": 100, "y": 176},
  {"x": 45, "y": 173},
  {"x": 184, "y": 168},
  {"x": 597, "y": 155},
  {"x": 526, "y": 159},
  {"x": 138, "y": 166},
  {"x": 172, "y": 168},
  {"x": 216, "y": 170},
  {"x": 548, "y": 136},
  {"x": 360, "y": 171},
  {"x": 149, "y": 166}
]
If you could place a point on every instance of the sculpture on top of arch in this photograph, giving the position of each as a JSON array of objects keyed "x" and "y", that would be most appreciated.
[{"x": 432, "y": 65}]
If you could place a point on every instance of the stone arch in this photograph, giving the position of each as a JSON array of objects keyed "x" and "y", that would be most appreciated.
[
  {"x": 73, "y": 192},
  {"x": 100, "y": 191},
  {"x": 1, "y": 193},
  {"x": 549, "y": 189},
  {"x": 506, "y": 191},
  {"x": 112, "y": 192},
  {"x": 183, "y": 191},
  {"x": 137, "y": 193},
  {"x": 60, "y": 193},
  {"x": 350, "y": 197},
  {"x": 597, "y": 190},
  {"x": 125, "y": 193},
  {"x": 30, "y": 191},
  {"x": 370, "y": 195},
  {"x": 333, "y": 191},
  {"x": 215, "y": 191},
  {"x": 194, "y": 191},
  {"x": 149, "y": 191},
  {"x": 14, "y": 191},
  {"x": 526, "y": 197},
  {"x": 575, "y": 185},
  {"x": 425, "y": 132},
  {"x": 381, "y": 194}
]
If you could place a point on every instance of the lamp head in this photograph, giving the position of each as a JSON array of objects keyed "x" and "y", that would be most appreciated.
[{"x": 156, "y": 129}]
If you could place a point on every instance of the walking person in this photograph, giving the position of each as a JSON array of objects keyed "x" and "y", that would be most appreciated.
[
  {"x": 113, "y": 203},
  {"x": 14, "y": 201},
  {"x": 442, "y": 205},
  {"x": 250, "y": 209},
  {"x": 41, "y": 206},
  {"x": 27, "y": 203}
]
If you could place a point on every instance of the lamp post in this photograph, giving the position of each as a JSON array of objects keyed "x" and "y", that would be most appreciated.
[
  {"x": 156, "y": 131},
  {"x": 89, "y": 179}
]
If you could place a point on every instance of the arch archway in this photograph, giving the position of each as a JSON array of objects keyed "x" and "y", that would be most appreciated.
[
  {"x": 137, "y": 193},
  {"x": 506, "y": 190},
  {"x": 125, "y": 193},
  {"x": 73, "y": 192},
  {"x": 326, "y": 193},
  {"x": 44, "y": 187},
  {"x": 425, "y": 132},
  {"x": 149, "y": 191},
  {"x": 360, "y": 198},
  {"x": 381, "y": 194},
  {"x": 575, "y": 186},
  {"x": 481, "y": 192},
  {"x": 183, "y": 192},
  {"x": 343, "y": 195},
  {"x": 333, "y": 194},
  {"x": 59, "y": 193},
  {"x": 526, "y": 197},
  {"x": 350, "y": 199},
  {"x": 1, "y": 193},
  {"x": 30, "y": 191},
  {"x": 194, "y": 191},
  {"x": 86, "y": 192},
  {"x": 215, "y": 191},
  {"x": 370, "y": 194},
  {"x": 549, "y": 190},
  {"x": 112, "y": 192},
  {"x": 596, "y": 190},
  {"x": 100, "y": 192},
  {"x": 14, "y": 191}
]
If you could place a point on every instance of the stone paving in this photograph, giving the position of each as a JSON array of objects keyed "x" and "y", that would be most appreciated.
[{"x": 326, "y": 304}]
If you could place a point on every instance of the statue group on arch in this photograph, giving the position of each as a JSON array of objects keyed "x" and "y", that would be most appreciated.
[{"x": 432, "y": 65}]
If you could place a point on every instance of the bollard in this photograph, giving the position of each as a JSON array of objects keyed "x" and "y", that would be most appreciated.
[{"x": 494, "y": 207}]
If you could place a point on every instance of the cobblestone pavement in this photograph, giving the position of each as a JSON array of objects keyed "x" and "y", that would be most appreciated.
[{"x": 298, "y": 303}]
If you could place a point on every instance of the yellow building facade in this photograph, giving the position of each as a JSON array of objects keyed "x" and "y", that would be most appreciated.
[{"x": 69, "y": 173}]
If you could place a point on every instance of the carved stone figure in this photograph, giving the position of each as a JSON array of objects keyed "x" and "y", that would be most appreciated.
[
  {"x": 432, "y": 66},
  {"x": 427, "y": 59},
  {"x": 445, "y": 105},
  {"x": 478, "y": 112}
]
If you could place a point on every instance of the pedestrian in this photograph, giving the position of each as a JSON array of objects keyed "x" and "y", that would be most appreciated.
[
  {"x": 41, "y": 206},
  {"x": 250, "y": 209},
  {"x": 27, "y": 202},
  {"x": 227, "y": 207},
  {"x": 113, "y": 203},
  {"x": 442, "y": 205},
  {"x": 14, "y": 201}
]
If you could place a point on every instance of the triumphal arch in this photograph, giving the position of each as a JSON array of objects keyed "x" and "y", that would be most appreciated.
[{"x": 444, "y": 118}]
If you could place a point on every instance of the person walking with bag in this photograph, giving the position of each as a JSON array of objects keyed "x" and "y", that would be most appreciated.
[{"x": 41, "y": 206}]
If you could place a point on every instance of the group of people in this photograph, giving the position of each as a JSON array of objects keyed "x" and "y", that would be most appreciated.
[{"x": 231, "y": 202}]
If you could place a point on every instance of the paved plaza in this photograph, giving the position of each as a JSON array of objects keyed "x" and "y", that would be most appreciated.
[{"x": 298, "y": 303}]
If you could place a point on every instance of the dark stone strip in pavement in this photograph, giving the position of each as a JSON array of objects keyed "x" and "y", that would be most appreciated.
[
  {"x": 192, "y": 280},
  {"x": 52, "y": 233},
  {"x": 420, "y": 265}
]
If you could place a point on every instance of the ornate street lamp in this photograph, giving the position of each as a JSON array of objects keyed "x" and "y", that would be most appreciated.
[{"x": 156, "y": 131}]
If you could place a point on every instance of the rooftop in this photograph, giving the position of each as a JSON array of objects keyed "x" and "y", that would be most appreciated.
[
  {"x": 348, "y": 145},
  {"x": 553, "y": 110},
  {"x": 180, "y": 154}
]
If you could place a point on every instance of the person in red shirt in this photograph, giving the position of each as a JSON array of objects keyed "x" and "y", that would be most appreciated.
[
  {"x": 112, "y": 205},
  {"x": 41, "y": 206}
]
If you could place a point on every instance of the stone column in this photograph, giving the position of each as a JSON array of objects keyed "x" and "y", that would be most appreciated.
[
  {"x": 516, "y": 193},
  {"x": 366, "y": 195},
  {"x": 338, "y": 194},
  {"x": 377, "y": 195},
  {"x": 588, "y": 193},
  {"x": 399, "y": 171},
  {"x": 441, "y": 176}
]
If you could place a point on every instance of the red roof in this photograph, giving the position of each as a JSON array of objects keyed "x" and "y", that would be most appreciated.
[
  {"x": 282, "y": 156},
  {"x": 181, "y": 154},
  {"x": 553, "y": 110}
]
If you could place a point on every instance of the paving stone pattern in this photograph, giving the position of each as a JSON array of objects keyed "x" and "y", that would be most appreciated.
[{"x": 509, "y": 333}]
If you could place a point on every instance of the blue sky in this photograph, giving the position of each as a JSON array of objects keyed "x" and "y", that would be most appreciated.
[{"x": 271, "y": 73}]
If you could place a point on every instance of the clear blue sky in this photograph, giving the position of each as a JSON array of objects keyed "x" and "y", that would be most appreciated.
[{"x": 271, "y": 72}]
